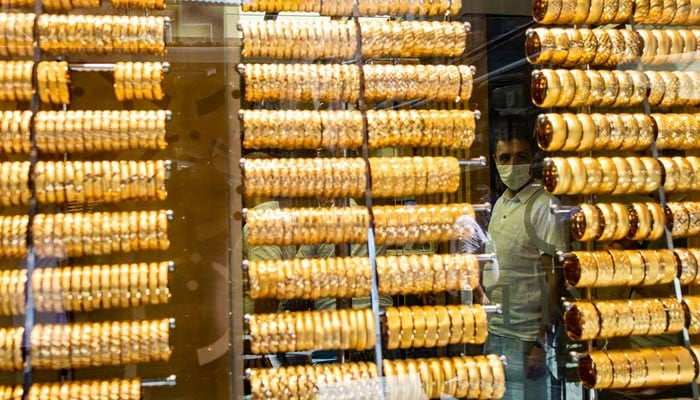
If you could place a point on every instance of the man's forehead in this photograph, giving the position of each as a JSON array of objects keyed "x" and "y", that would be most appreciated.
[{"x": 513, "y": 146}]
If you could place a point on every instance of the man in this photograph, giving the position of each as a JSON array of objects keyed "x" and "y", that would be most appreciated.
[{"x": 525, "y": 235}]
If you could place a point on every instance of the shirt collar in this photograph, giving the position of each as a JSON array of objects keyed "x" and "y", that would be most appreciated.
[{"x": 525, "y": 193}]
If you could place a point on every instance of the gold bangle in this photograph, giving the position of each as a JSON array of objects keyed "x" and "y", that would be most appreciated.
[
  {"x": 594, "y": 175},
  {"x": 582, "y": 321},
  {"x": 546, "y": 88},
  {"x": 609, "y": 179},
  {"x": 581, "y": 269},
  {"x": 586, "y": 223},
  {"x": 574, "y": 132},
  {"x": 622, "y": 370},
  {"x": 557, "y": 175},
  {"x": 605, "y": 265},
  {"x": 546, "y": 11},
  {"x": 680, "y": 219},
  {"x": 624, "y": 176}
]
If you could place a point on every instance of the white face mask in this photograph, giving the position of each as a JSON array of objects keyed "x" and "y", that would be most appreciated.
[{"x": 514, "y": 176}]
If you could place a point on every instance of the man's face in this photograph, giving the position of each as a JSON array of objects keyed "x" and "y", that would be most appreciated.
[{"x": 512, "y": 152}]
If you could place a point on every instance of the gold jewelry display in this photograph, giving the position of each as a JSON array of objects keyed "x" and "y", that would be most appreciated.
[
  {"x": 340, "y": 82},
  {"x": 86, "y": 288},
  {"x": 409, "y": 329},
  {"x": 579, "y": 46},
  {"x": 300, "y": 276},
  {"x": 102, "y": 34},
  {"x": 590, "y": 223},
  {"x": 477, "y": 377},
  {"x": 74, "y": 234},
  {"x": 587, "y": 320},
  {"x": 16, "y": 80},
  {"x": 88, "y": 131},
  {"x": 267, "y": 335},
  {"x": 336, "y": 39},
  {"x": 366, "y": 7},
  {"x": 558, "y": 88},
  {"x": 346, "y": 177},
  {"x": 302, "y": 129},
  {"x": 629, "y": 268},
  {"x": 637, "y": 368},
  {"x": 138, "y": 80},
  {"x": 14, "y": 132},
  {"x": 572, "y": 175},
  {"x": 613, "y": 12},
  {"x": 305, "y": 381},
  {"x": 16, "y": 34},
  {"x": 127, "y": 389},
  {"x": 80, "y": 344},
  {"x": 394, "y": 224}
]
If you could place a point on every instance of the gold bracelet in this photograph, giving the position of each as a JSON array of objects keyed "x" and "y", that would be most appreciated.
[{"x": 582, "y": 321}]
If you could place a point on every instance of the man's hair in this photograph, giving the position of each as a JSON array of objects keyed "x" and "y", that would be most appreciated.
[{"x": 516, "y": 130}]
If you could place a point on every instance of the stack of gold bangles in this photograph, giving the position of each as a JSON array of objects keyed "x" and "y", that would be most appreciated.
[
  {"x": 691, "y": 304},
  {"x": 616, "y": 221},
  {"x": 292, "y": 177},
  {"x": 124, "y": 389},
  {"x": 630, "y": 267},
  {"x": 101, "y": 34},
  {"x": 610, "y": 47},
  {"x": 16, "y": 34},
  {"x": 336, "y": 39},
  {"x": 668, "y": 46},
  {"x": 53, "y": 78},
  {"x": 93, "y": 287},
  {"x": 99, "y": 130},
  {"x": 14, "y": 132},
  {"x": 340, "y": 82},
  {"x": 307, "y": 225},
  {"x": 140, "y": 4},
  {"x": 605, "y": 175},
  {"x": 638, "y": 368},
  {"x": 138, "y": 80},
  {"x": 675, "y": 131},
  {"x": 346, "y": 177},
  {"x": 616, "y": 88},
  {"x": 576, "y": 87},
  {"x": 437, "y": 326},
  {"x": 414, "y": 274},
  {"x": 569, "y": 47},
  {"x": 394, "y": 224},
  {"x": 584, "y": 132},
  {"x": 680, "y": 173},
  {"x": 78, "y": 234},
  {"x": 99, "y": 181},
  {"x": 306, "y": 381},
  {"x": 600, "y": 13},
  {"x": 14, "y": 189},
  {"x": 683, "y": 218},
  {"x": 421, "y": 224},
  {"x": 13, "y": 235},
  {"x": 365, "y": 7},
  {"x": 314, "y": 278},
  {"x": 477, "y": 377},
  {"x": 83, "y": 181},
  {"x": 68, "y": 5},
  {"x": 11, "y": 349},
  {"x": 82, "y": 345},
  {"x": 345, "y": 329},
  {"x": 16, "y": 80},
  {"x": 302, "y": 129},
  {"x": 587, "y": 320},
  {"x": 309, "y": 278},
  {"x": 12, "y": 286}
]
